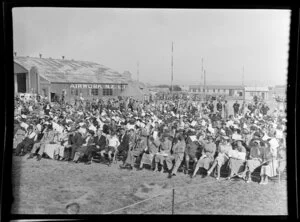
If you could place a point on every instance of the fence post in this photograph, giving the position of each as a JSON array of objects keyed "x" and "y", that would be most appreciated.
[{"x": 173, "y": 197}]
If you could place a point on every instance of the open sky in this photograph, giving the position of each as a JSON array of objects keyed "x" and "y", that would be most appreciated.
[{"x": 118, "y": 38}]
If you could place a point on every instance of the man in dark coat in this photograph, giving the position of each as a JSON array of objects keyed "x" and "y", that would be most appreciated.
[
  {"x": 236, "y": 107},
  {"x": 100, "y": 144},
  {"x": 219, "y": 106},
  {"x": 124, "y": 144},
  {"x": 77, "y": 141}
]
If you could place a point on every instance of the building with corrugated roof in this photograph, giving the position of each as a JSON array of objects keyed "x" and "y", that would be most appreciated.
[
  {"x": 231, "y": 91},
  {"x": 54, "y": 77},
  {"x": 261, "y": 92},
  {"x": 218, "y": 90}
]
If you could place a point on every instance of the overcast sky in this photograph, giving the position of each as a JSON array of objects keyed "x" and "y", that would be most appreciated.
[{"x": 227, "y": 40}]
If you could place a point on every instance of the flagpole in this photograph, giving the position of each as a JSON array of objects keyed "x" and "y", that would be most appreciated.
[
  {"x": 204, "y": 85},
  {"x": 172, "y": 71},
  {"x": 138, "y": 77}
]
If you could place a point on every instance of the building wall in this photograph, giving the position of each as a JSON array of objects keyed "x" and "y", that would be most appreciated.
[
  {"x": 250, "y": 94},
  {"x": 72, "y": 93}
]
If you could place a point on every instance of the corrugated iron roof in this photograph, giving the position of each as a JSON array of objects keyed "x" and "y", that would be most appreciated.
[{"x": 71, "y": 71}]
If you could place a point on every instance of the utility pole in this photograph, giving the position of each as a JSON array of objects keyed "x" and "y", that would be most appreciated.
[
  {"x": 204, "y": 84},
  {"x": 243, "y": 78},
  {"x": 201, "y": 73},
  {"x": 138, "y": 64},
  {"x": 172, "y": 71}
]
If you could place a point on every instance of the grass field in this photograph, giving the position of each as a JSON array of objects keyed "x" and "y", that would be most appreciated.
[{"x": 46, "y": 187}]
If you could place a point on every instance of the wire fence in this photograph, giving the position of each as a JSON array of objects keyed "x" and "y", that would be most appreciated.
[{"x": 172, "y": 192}]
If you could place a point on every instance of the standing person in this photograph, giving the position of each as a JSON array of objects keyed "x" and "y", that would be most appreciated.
[
  {"x": 226, "y": 109},
  {"x": 236, "y": 107},
  {"x": 219, "y": 106},
  {"x": 47, "y": 109},
  {"x": 211, "y": 106}
]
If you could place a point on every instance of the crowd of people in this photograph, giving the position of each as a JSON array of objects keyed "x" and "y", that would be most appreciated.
[{"x": 169, "y": 136}]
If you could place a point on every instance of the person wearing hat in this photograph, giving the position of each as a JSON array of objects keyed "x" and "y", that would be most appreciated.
[
  {"x": 177, "y": 155},
  {"x": 255, "y": 160},
  {"x": 192, "y": 151},
  {"x": 207, "y": 157},
  {"x": 76, "y": 142},
  {"x": 237, "y": 161},
  {"x": 223, "y": 149},
  {"x": 19, "y": 135},
  {"x": 152, "y": 148},
  {"x": 136, "y": 149},
  {"x": 88, "y": 142},
  {"x": 270, "y": 152},
  {"x": 124, "y": 144},
  {"x": 27, "y": 143},
  {"x": 48, "y": 136}
]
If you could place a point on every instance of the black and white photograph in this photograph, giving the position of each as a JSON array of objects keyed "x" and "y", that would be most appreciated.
[{"x": 150, "y": 111}]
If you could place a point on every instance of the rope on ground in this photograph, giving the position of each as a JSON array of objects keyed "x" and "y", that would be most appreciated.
[
  {"x": 178, "y": 187},
  {"x": 136, "y": 203}
]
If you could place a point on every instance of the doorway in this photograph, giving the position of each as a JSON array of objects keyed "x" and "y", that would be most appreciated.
[{"x": 21, "y": 80}]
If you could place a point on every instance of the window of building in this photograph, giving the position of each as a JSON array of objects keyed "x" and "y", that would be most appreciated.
[
  {"x": 76, "y": 92},
  {"x": 94, "y": 92},
  {"x": 107, "y": 92},
  {"x": 214, "y": 90}
]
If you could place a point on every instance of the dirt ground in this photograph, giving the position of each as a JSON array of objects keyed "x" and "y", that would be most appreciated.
[{"x": 46, "y": 187}]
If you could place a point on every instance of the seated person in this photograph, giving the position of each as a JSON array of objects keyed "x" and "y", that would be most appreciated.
[
  {"x": 27, "y": 143},
  {"x": 100, "y": 144},
  {"x": 113, "y": 143},
  {"x": 223, "y": 149},
  {"x": 137, "y": 145},
  {"x": 124, "y": 144},
  {"x": 254, "y": 161},
  {"x": 192, "y": 152},
  {"x": 48, "y": 136},
  {"x": 164, "y": 151},
  {"x": 177, "y": 155},
  {"x": 207, "y": 157},
  {"x": 88, "y": 141},
  {"x": 18, "y": 136},
  {"x": 237, "y": 161},
  {"x": 270, "y": 166},
  {"x": 151, "y": 150}
]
